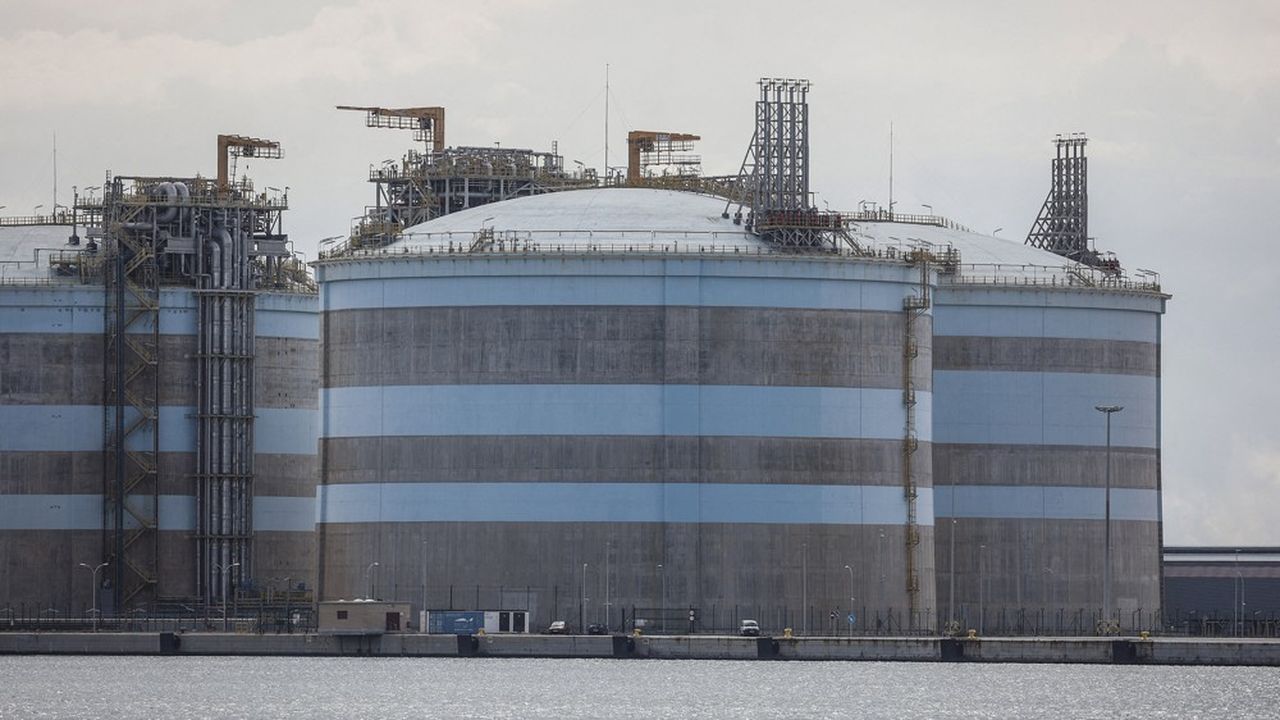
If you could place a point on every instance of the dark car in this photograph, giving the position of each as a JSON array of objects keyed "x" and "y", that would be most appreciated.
[{"x": 597, "y": 629}]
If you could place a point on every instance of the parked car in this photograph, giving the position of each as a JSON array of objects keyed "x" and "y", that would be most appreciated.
[
  {"x": 597, "y": 629},
  {"x": 749, "y": 628},
  {"x": 558, "y": 627}
]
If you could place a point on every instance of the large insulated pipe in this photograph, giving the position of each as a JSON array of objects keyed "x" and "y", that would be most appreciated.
[
  {"x": 170, "y": 192},
  {"x": 215, "y": 263},
  {"x": 184, "y": 198}
]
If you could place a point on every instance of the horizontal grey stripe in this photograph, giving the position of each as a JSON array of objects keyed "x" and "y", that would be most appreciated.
[
  {"x": 285, "y": 475},
  {"x": 619, "y": 459},
  {"x": 619, "y": 344},
  {"x": 176, "y": 512},
  {"x": 731, "y": 410},
  {"x": 1025, "y": 465},
  {"x": 67, "y": 369},
  {"x": 1045, "y": 503},
  {"x": 79, "y": 473},
  {"x": 1120, "y": 357},
  {"x": 616, "y": 502}
]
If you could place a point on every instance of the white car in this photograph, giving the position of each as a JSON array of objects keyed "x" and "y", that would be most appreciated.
[{"x": 750, "y": 628}]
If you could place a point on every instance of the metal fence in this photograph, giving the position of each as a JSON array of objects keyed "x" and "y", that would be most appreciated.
[
  {"x": 568, "y": 605},
  {"x": 245, "y": 617}
]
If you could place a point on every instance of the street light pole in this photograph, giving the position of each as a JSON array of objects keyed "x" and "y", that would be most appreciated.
[
  {"x": 368, "y": 577},
  {"x": 982, "y": 589},
  {"x": 1107, "y": 410},
  {"x": 663, "y": 572},
  {"x": 850, "y": 569},
  {"x": 804, "y": 587},
  {"x": 423, "y": 621},
  {"x": 224, "y": 571},
  {"x": 1235, "y": 607},
  {"x": 582, "y": 607},
  {"x": 93, "y": 589}
]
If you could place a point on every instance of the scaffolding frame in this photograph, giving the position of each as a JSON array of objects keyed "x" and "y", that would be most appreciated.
[
  {"x": 649, "y": 150},
  {"x": 225, "y": 240},
  {"x": 438, "y": 180}
]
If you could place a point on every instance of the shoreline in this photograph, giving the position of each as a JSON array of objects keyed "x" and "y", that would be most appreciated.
[{"x": 1073, "y": 650}]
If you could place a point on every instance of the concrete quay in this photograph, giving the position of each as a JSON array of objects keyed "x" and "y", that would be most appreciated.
[{"x": 1133, "y": 651}]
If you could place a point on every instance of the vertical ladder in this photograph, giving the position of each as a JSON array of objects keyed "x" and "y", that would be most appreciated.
[
  {"x": 913, "y": 306},
  {"x": 131, "y": 371}
]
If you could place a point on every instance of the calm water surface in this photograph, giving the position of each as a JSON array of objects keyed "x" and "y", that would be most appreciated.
[{"x": 154, "y": 687}]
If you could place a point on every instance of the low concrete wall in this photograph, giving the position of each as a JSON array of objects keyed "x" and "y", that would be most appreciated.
[
  {"x": 701, "y": 647},
  {"x": 837, "y": 648},
  {"x": 1154, "y": 651},
  {"x": 1209, "y": 652},
  {"x": 579, "y": 646},
  {"x": 79, "y": 644},
  {"x": 1038, "y": 650}
]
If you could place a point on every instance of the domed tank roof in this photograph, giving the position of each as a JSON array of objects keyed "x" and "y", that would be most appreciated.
[
  {"x": 624, "y": 218},
  {"x": 602, "y": 215}
]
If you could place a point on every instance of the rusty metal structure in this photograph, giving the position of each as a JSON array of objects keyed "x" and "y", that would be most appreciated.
[
  {"x": 232, "y": 147},
  {"x": 658, "y": 155}
]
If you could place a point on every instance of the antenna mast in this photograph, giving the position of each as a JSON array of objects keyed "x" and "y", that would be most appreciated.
[{"x": 606, "y": 123}]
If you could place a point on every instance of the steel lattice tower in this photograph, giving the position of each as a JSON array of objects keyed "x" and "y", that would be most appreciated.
[
  {"x": 1063, "y": 224},
  {"x": 775, "y": 172}
]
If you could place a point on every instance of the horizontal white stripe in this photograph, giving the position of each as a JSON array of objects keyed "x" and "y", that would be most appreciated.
[
  {"x": 1032, "y": 408},
  {"x": 618, "y": 502},
  {"x": 1036, "y": 502},
  {"x": 78, "y": 428},
  {"x": 78, "y": 311},
  {"x": 650, "y": 410},
  {"x": 544, "y": 286},
  {"x": 177, "y": 513},
  {"x": 1052, "y": 322}
]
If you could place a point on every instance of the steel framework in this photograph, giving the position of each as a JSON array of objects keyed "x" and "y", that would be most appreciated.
[
  {"x": 439, "y": 180},
  {"x": 131, "y": 383},
  {"x": 648, "y": 150},
  {"x": 1062, "y": 227},
  {"x": 775, "y": 174},
  {"x": 225, "y": 240}
]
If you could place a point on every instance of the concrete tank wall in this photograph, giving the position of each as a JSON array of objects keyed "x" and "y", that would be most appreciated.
[
  {"x": 726, "y": 433},
  {"x": 1020, "y": 452},
  {"x": 51, "y": 435}
]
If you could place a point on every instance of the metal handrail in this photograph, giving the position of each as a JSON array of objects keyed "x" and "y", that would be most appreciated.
[{"x": 679, "y": 242}]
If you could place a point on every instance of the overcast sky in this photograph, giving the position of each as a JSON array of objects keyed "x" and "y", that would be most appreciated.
[{"x": 1181, "y": 102}]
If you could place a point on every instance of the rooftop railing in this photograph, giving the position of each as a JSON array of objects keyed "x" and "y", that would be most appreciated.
[{"x": 720, "y": 243}]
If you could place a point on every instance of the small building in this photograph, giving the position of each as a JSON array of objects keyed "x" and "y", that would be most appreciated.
[
  {"x": 362, "y": 617},
  {"x": 1223, "y": 590},
  {"x": 468, "y": 622}
]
